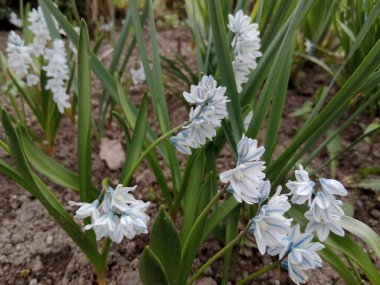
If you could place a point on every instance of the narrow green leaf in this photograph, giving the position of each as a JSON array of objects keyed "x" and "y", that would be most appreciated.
[
  {"x": 151, "y": 270},
  {"x": 155, "y": 82},
  {"x": 165, "y": 244},
  {"x": 192, "y": 194},
  {"x": 280, "y": 87},
  {"x": 38, "y": 189},
  {"x": 84, "y": 116},
  {"x": 137, "y": 142},
  {"x": 223, "y": 56},
  {"x": 354, "y": 251},
  {"x": 363, "y": 232},
  {"x": 338, "y": 265},
  {"x": 49, "y": 21}
]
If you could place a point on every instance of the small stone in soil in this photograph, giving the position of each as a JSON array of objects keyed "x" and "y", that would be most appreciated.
[
  {"x": 33, "y": 282},
  {"x": 49, "y": 240}
]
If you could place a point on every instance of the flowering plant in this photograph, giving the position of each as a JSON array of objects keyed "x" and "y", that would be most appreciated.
[
  {"x": 41, "y": 71},
  {"x": 227, "y": 109}
]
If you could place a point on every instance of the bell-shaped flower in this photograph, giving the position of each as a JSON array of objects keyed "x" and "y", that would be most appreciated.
[
  {"x": 245, "y": 181},
  {"x": 302, "y": 189},
  {"x": 248, "y": 151},
  {"x": 323, "y": 228},
  {"x": 104, "y": 226},
  {"x": 86, "y": 210},
  {"x": 121, "y": 198},
  {"x": 270, "y": 226},
  {"x": 134, "y": 221},
  {"x": 301, "y": 254},
  {"x": 332, "y": 187}
]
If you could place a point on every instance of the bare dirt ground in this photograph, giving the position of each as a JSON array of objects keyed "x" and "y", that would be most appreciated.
[{"x": 34, "y": 250}]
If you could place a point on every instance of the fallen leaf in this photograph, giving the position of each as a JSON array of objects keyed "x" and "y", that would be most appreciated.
[{"x": 112, "y": 152}]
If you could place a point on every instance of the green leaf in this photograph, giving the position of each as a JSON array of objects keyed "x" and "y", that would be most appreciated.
[
  {"x": 84, "y": 116},
  {"x": 192, "y": 193},
  {"x": 155, "y": 83},
  {"x": 363, "y": 232},
  {"x": 354, "y": 251},
  {"x": 38, "y": 189},
  {"x": 137, "y": 143},
  {"x": 338, "y": 265},
  {"x": 165, "y": 244},
  {"x": 372, "y": 184},
  {"x": 223, "y": 56},
  {"x": 151, "y": 270},
  {"x": 277, "y": 84}
]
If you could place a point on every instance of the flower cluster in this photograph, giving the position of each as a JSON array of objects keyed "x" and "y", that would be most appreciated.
[
  {"x": 325, "y": 210},
  {"x": 246, "y": 46},
  {"x": 299, "y": 254},
  {"x": 247, "y": 178},
  {"x": 118, "y": 215},
  {"x": 58, "y": 72},
  {"x": 39, "y": 28},
  {"x": 209, "y": 111},
  {"x": 18, "y": 55},
  {"x": 52, "y": 51}
]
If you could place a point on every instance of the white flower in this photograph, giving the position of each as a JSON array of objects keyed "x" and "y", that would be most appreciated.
[
  {"x": 301, "y": 254},
  {"x": 14, "y": 20},
  {"x": 121, "y": 198},
  {"x": 106, "y": 225},
  {"x": 303, "y": 188},
  {"x": 40, "y": 31},
  {"x": 138, "y": 74},
  {"x": 120, "y": 214},
  {"x": 32, "y": 79},
  {"x": 209, "y": 110},
  {"x": 58, "y": 72},
  {"x": 248, "y": 151},
  {"x": 247, "y": 178},
  {"x": 324, "y": 215},
  {"x": 18, "y": 55},
  {"x": 332, "y": 187},
  {"x": 270, "y": 226},
  {"x": 86, "y": 210},
  {"x": 309, "y": 47},
  {"x": 246, "y": 181},
  {"x": 181, "y": 142},
  {"x": 134, "y": 221},
  {"x": 246, "y": 46}
]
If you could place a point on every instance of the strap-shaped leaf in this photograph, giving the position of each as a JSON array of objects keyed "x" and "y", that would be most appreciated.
[
  {"x": 137, "y": 143},
  {"x": 151, "y": 270},
  {"x": 84, "y": 116},
  {"x": 165, "y": 244},
  {"x": 223, "y": 56},
  {"x": 339, "y": 266},
  {"x": 192, "y": 194},
  {"x": 363, "y": 232},
  {"x": 154, "y": 79}
]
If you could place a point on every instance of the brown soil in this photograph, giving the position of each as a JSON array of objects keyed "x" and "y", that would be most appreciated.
[{"x": 34, "y": 250}]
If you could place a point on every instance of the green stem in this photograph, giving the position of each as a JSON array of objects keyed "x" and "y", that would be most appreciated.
[
  {"x": 356, "y": 273},
  {"x": 220, "y": 253},
  {"x": 258, "y": 273},
  {"x": 150, "y": 148},
  {"x": 201, "y": 217},
  {"x": 105, "y": 250}
]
